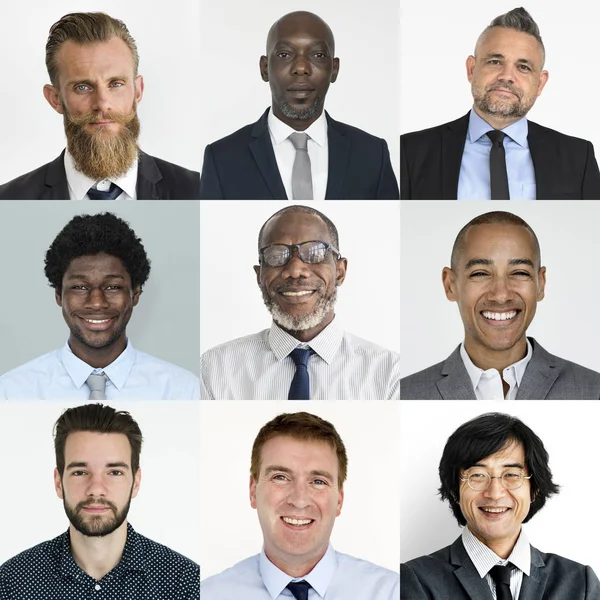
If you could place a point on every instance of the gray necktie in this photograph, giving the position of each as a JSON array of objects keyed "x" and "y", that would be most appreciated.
[
  {"x": 97, "y": 385},
  {"x": 302, "y": 188}
]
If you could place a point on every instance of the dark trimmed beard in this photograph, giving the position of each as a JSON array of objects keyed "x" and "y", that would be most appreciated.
[
  {"x": 97, "y": 525},
  {"x": 305, "y": 113},
  {"x": 102, "y": 154},
  {"x": 502, "y": 107}
]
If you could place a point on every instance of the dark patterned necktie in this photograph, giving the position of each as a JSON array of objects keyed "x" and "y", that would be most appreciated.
[
  {"x": 113, "y": 193},
  {"x": 498, "y": 175},
  {"x": 300, "y": 388},
  {"x": 501, "y": 575},
  {"x": 299, "y": 589}
]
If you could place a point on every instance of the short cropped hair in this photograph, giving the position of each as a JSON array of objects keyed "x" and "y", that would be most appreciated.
[
  {"x": 520, "y": 20},
  {"x": 331, "y": 228},
  {"x": 84, "y": 29},
  {"x": 483, "y": 436},
  {"x": 497, "y": 217},
  {"x": 301, "y": 426},
  {"x": 96, "y": 418},
  {"x": 86, "y": 235}
]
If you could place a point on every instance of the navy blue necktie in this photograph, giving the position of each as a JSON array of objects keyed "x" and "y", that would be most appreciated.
[
  {"x": 299, "y": 589},
  {"x": 498, "y": 174},
  {"x": 113, "y": 193},
  {"x": 300, "y": 388},
  {"x": 501, "y": 576}
]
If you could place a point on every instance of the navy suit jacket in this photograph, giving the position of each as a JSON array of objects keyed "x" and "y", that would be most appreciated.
[
  {"x": 242, "y": 166},
  {"x": 157, "y": 180},
  {"x": 565, "y": 167}
]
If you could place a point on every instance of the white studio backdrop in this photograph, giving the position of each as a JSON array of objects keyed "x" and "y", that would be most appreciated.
[
  {"x": 436, "y": 37},
  {"x": 164, "y": 509},
  {"x": 165, "y": 323},
  {"x": 564, "y": 325},
  {"x": 369, "y": 524},
  {"x": 231, "y": 304},
  {"x": 233, "y": 36},
  {"x": 568, "y": 430},
  {"x": 167, "y": 37}
]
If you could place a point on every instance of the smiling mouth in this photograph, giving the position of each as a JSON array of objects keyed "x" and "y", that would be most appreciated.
[
  {"x": 499, "y": 316},
  {"x": 297, "y": 522},
  {"x": 298, "y": 293}
]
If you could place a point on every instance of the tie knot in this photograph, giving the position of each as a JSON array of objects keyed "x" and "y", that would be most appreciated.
[
  {"x": 496, "y": 136},
  {"x": 112, "y": 194},
  {"x": 299, "y": 589},
  {"x": 300, "y": 356},
  {"x": 299, "y": 140},
  {"x": 501, "y": 575},
  {"x": 97, "y": 385}
]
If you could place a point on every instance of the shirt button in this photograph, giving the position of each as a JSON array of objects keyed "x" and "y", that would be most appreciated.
[{"x": 97, "y": 587}]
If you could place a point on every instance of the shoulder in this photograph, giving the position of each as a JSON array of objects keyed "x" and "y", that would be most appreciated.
[
  {"x": 370, "y": 350},
  {"x": 22, "y": 377},
  {"x": 568, "y": 370},
  {"x": 41, "y": 558},
  {"x": 366, "y": 574},
  {"x": 433, "y": 132},
  {"x": 162, "y": 558},
  {"x": 157, "y": 365},
  {"x": 236, "y": 139},
  {"x": 25, "y": 187},
  {"x": 238, "y": 346},
  {"x": 567, "y": 575},
  {"x": 551, "y": 135},
  {"x": 359, "y": 135},
  {"x": 420, "y": 380},
  {"x": 235, "y": 581},
  {"x": 172, "y": 171}
]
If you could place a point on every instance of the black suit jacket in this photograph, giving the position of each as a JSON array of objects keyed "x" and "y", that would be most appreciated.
[
  {"x": 449, "y": 574},
  {"x": 242, "y": 166},
  {"x": 157, "y": 180},
  {"x": 565, "y": 166}
]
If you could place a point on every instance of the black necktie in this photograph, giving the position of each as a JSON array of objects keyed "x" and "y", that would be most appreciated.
[
  {"x": 498, "y": 175},
  {"x": 501, "y": 575},
  {"x": 300, "y": 388},
  {"x": 299, "y": 589},
  {"x": 113, "y": 193}
]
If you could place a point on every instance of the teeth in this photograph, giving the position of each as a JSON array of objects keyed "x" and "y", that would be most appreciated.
[
  {"x": 97, "y": 320},
  {"x": 304, "y": 293},
  {"x": 495, "y": 316},
  {"x": 297, "y": 521},
  {"x": 494, "y": 510}
]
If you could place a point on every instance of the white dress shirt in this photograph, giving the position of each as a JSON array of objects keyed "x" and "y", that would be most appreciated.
[
  {"x": 79, "y": 184},
  {"x": 336, "y": 576},
  {"x": 133, "y": 375},
  {"x": 285, "y": 153},
  {"x": 488, "y": 384},
  {"x": 258, "y": 367},
  {"x": 484, "y": 559}
]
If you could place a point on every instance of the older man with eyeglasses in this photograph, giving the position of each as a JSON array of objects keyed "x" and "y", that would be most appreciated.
[{"x": 305, "y": 355}]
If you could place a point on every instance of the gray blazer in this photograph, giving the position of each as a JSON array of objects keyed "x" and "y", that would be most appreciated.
[
  {"x": 449, "y": 574},
  {"x": 547, "y": 377}
]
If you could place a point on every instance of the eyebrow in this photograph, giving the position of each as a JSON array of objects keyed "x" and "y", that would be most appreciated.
[
  {"x": 489, "y": 263},
  {"x": 516, "y": 465},
  {"x": 107, "y": 276},
  {"x": 92, "y": 83},
  {"x": 110, "y": 465},
  {"x": 313, "y": 473}
]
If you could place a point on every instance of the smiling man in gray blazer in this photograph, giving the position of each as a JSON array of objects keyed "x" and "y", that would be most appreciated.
[
  {"x": 494, "y": 472},
  {"x": 496, "y": 278}
]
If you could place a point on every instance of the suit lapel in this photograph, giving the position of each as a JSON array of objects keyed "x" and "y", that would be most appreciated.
[
  {"x": 466, "y": 573},
  {"x": 339, "y": 154},
  {"x": 57, "y": 187},
  {"x": 543, "y": 166},
  {"x": 148, "y": 178},
  {"x": 456, "y": 383},
  {"x": 262, "y": 151},
  {"x": 533, "y": 587},
  {"x": 453, "y": 145},
  {"x": 540, "y": 374}
]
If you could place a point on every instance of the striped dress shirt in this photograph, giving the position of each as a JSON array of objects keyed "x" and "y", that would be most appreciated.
[{"x": 258, "y": 367}]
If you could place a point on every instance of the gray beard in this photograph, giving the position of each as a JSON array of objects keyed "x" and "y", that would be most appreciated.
[
  {"x": 301, "y": 323},
  {"x": 304, "y": 113}
]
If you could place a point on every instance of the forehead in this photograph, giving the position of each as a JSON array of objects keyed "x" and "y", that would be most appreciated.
[
  {"x": 92, "y": 446},
  {"x": 512, "y": 453},
  {"x": 294, "y": 227},
  {"x": 100, "y": 264},
  {"x": 298, "y": 455},
  {"x": 300, "y": 28},
  {"x": 510, "y": 43},
  {"x": 498, "y": 241}
]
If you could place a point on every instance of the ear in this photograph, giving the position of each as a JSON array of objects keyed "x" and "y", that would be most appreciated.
[
  {"x": 541, "y": 284},
  {"x": 136, "y": 295},
  {"x": 341, "y": 267},
  {"x": 53, "y": 98},
  {"x": 137, "y": 480},
  {"x": 263, "y": 64},
  {"x": 58, "y": 298},
  {"x": 252, "y": 492},
  {"x": 543, "y": 81},
  {"x": 470, "y": 64},
  {"x": 340, "y": 502},
  {"x": 139, "y": 88},
  {"x": 257, "y": 271},
  {"x": 58, "y": 484},
  {"x": 335, "y": 70},
  {"x": 449, "y": 282}
]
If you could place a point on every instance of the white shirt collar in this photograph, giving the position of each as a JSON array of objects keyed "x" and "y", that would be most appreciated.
[{"x": 280, "y": 131}]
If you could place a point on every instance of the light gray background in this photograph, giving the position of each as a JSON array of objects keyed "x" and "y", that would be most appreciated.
[
  {"x": 231, "y": 304},
  {"x": 368, "y": 526},
  {"x": 564, "y": 323},
  {"x": 167, "y": 36},
  {"x": 436, "y": 37},
  {"x": 233, "y": 35},
  {"x": 568, "y": 430},
  {"x": 169, "y": 461},
  {"x": 165, "y": 323}
]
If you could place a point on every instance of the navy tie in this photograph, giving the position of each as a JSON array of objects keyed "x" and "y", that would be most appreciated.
[
  {"x": 113, "y": 193},
  {"x": 498, "y": 174},
  {"x": 299, "y": 589},
  {"x": 501, "y": 576},
  {"x": 300, "y": 388}
]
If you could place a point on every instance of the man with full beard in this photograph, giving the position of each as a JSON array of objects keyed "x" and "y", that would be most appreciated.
[
  {"x": 92, "y": 61},
  {"x": 97, "y": 474},
  {"x": 295, "y": 151},
  {"x": 494, "y": 152},
  {"x": 305, "y": 354}
]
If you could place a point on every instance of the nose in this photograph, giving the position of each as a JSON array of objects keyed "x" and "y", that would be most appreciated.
[
  {"x": 96, "y": 486},
  {"x": 299, "y": 495},
  {"x": 496, "y": 489},
  {"x": 295, "y": 268},
  {"x": 97, "y": 299},
  {"x": 499, "y": 290},
  {"x": 101, "y": 99},
  {"x": 301, "y": 65},
  {"x": 507, "y": 73}
]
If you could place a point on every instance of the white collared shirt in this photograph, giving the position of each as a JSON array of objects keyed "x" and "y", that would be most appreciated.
[
  {"x": 488, "y": 384},
  {"x": 485, "y": 558},
  {"x": 79, "y": 184},
  {"x": 285, "y": 153}
]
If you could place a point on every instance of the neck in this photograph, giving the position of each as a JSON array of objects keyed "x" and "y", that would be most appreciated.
[
  {"x": 485, "y": 359},
  {"x": 297, "y": 124},
  {"x": 308, "y": 334},
  {"x": 497, "y": 121},
  {"x": 294, "y": 568},
  {"x": 97, "y": 556},
  {"x": 97, "y": 357}
]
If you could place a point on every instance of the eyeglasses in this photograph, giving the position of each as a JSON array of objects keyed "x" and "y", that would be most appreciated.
[
  {"x": 481, "y": 480},
  {"x": 312, "y": 253}
]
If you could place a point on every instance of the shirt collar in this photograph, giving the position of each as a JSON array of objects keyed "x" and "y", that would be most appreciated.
[
  {"x": 79, "y": 183},
  {"x": 475, "y": 372},
  {"x": 281, "y": 131},
  {"x": 118, "y": 370},
  {"x": 320, "y": 577},
  {"x": 478, "y": 128},
  {"x": 326, "y": 344},
  {"x": 484, "y": 558}
]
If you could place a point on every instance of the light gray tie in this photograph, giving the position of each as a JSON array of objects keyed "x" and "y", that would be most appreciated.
[
  {"x": 302, "y": 188},
  {"x": 97, "y": 385}
]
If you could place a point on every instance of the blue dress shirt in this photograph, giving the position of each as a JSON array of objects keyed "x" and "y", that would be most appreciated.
[
  {"x": 335, "y": 577},
  {"x": 133, "y": 375},
  {"x": 474, "y": 178}
]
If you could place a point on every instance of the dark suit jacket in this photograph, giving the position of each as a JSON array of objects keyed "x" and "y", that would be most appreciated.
[
  {"x": 157, "y": 180},
  {"x": 449, "y": 574},
  {"x": 546, "y": 377},
  {"x": 565, "y": 166},
  {"x": 242, "y": 166}
]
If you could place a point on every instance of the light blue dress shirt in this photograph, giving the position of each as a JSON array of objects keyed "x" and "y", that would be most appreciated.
[
  {"x": 474, "y": 178},
  {"x": 133, "y": 375},
  {"x": 335, "y": 577}
]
